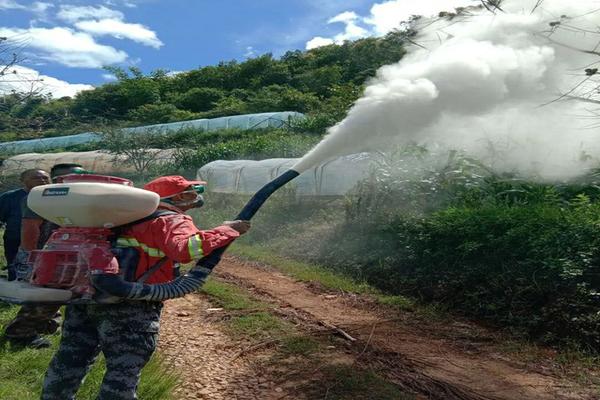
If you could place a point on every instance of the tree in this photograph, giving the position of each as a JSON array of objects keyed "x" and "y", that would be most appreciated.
[
  {"x": 159, "y": 113},
  {"x": 13, "y": 79},
  {"x": 282, "y": 98},
  {"x": 199, "y": 99},
  {"x": 140, "y": 150}
]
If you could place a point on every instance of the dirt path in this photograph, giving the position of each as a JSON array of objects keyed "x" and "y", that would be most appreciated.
[
  {"x": 204, "y": 357},
  {"x": 435, "y": 360}
]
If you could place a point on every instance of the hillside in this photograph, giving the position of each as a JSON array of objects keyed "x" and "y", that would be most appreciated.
[{"x": 322, "y": 82}]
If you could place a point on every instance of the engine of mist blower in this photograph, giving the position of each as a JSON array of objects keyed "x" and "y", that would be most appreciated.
[
  {"x": 70, "y": 256},
  {"x": 86, "y": 207}
]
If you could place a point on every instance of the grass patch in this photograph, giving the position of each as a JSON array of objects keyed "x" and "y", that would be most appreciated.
[
  {"x": 22, "y": 371},
  {"x": 313, "y": 273},
  {"x": 397, "y": 302},
  {"x": 345, "y": 382},
  {"x": 257, "y": 323},
  {"x": 299, "y": 346},
  {"x": 229, "y": 297}
]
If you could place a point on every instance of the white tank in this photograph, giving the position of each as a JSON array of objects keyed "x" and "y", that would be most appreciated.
[{"x": 91, "y": 204}]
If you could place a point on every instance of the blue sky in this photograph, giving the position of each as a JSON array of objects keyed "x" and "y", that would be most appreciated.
[{"x": 69, "y": 40}]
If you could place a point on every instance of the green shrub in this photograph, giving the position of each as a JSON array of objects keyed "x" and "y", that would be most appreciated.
[{"x": 533, "y": 268}]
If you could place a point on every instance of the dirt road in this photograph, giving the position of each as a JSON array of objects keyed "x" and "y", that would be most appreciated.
[{"x": 434, "y": 359}]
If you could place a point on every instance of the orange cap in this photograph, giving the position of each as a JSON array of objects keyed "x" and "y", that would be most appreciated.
[{"x": 167, "y": 186}]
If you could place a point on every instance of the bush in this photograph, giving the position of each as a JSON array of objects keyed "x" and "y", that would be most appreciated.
[
  {"x": 530, "y": 267},
  {"x": 250, "y": 145}
]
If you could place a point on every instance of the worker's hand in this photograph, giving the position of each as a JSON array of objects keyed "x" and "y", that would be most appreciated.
[{"x": 239, "y": 225}]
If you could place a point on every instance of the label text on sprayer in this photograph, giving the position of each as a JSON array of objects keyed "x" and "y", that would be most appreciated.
[{"x": 59, "y": 191}]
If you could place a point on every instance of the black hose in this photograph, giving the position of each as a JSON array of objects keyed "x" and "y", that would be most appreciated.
[{"x": 115, "y": 285}]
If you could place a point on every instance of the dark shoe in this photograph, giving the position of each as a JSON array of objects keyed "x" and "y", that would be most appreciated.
[
  {"x": 39, "y": 343},
  {"x": 34, "y": 342}
]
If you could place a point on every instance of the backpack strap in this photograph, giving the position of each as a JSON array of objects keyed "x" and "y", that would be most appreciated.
[
  {"x": 152, "y": 270},
  {"x": 118, "y": 231},
  {"x": 156, "y": 214}
]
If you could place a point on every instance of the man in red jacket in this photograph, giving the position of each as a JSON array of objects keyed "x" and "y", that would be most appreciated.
[{"x": 126, "y": 333}]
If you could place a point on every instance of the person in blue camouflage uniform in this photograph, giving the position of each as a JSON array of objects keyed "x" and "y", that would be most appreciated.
[
  {"x": 126, "y": 332},
  {"x": 34, "y": 320},
  {"x": 11, "y": 213}
]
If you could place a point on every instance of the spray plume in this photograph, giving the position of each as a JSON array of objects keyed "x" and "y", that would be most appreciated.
[{"x": 486, "y": 82}]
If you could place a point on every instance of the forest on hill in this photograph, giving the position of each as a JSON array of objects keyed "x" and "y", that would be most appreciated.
[{"x": 321, "y": 82}]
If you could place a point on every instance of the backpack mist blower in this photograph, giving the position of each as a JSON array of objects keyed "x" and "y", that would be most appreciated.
[{"x": 77, "y": 264}]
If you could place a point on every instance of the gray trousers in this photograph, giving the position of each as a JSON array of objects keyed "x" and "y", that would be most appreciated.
[
  {"x": 126, "y": 333},
  {"x": 33, "y": 320}
]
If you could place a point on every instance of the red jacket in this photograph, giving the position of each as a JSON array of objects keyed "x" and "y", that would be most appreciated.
[{"x": 174, "y": 236}]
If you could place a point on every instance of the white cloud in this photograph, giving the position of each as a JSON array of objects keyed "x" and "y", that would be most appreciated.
[
  {"x": 318, "y": 41},
  {"x": 109, "y": 77},
  {"x": 76, "y": 13},
  {"x": 121, "y": 30},
  {"x": 383, "y": 18},
  {"x": 250, "y": 52},
  {"x": 40, "y": 7},
  {"x": 351, "y": 31},
  {"x": 104, "y": 21},
  {"x": 347, "y": 16},
  {"x": 11, "y": 5},
  {"x": 67, "y": 47},
  {"x": 25, "y": 79},
  {"x": 124, "y": 3}
]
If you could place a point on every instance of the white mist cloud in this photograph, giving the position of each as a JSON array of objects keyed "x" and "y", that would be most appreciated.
[
  {"x": 66, "y": 46},
  {"x": 479, "y": 86},
  {"x": 23, "y": 79},
  {"x": 388, "y": 15},
  {"x": 120, "y": 30}
]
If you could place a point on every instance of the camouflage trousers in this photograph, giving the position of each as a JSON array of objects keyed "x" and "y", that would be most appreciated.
[
  {"x": 126, "y": 333},
  {"x": 33, "y": 320}
]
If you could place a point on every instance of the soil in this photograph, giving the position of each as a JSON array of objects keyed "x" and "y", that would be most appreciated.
[{"x": 432, "y": 358}]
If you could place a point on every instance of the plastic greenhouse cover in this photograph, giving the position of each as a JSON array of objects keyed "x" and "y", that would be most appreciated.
[
  {"x": 332, "y": 178},
  {"x": 245, "y": 122},
  {"x": 96, "y": 161}
]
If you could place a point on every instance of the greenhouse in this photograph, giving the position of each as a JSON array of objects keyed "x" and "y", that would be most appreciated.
[
  {"x": 244, "y": 122},
  {"x": 333, "y": 178}
]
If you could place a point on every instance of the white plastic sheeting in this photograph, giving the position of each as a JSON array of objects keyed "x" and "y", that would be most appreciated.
[
  {"x": 333, "y": 178},
  {"x": 31, "y": 145},
  {"x": 244, "y": 122},
  {"x": 95, "y": 161}
]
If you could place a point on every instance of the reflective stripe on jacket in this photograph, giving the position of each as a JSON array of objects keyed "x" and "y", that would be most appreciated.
[{"x": 174, "y": 236}]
